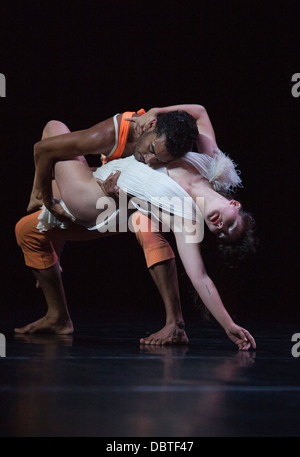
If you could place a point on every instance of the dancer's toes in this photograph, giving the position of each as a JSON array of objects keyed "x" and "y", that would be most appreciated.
[
  {"x": 46, "y": 325},
  {"x": 171, "y": 334}
]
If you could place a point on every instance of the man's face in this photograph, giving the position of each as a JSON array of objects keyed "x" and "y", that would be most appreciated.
[{"x": 151, "y": 149}]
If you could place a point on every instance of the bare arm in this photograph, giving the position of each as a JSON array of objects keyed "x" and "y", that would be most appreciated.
[
  {"x": 193, "y": 263},
  {"x": 197, "y": 111},
  {"x": 98, "y": 139}
]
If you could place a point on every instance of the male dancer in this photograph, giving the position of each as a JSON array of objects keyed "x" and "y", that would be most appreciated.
[{"x": 114, "y": 138}]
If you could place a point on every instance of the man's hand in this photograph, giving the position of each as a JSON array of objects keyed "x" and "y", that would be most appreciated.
[
  {"x": 35, "y": 202},
  {"x": 143, "y": 122},
  {"x": 241, "y": 337},
  {"x": 109, "y": 186}
]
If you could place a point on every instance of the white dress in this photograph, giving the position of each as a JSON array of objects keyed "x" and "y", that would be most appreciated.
[
  {"x": 157, "y": 188},
  {"x": 220, "y": 170}
]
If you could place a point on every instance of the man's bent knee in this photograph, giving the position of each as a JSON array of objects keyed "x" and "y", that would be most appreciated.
[
  {"x": 156, "y": 248},
  {"x": 37, "y": 249}
]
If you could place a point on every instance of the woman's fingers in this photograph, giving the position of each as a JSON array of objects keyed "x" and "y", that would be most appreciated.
[
  {"x": 250, "y": 338},
  {"x": 247, "y": 338}
]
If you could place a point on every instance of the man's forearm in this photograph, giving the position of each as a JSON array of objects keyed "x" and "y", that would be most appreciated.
[
  {"x": 194, "y": 110},
  {"x": 98, "y": 139},
  {"x": 206, "y": 142},
  {"x": 43, "y": 176},
  {"x": 63, "y": 147},
  {"x": 60, "y": 147}
]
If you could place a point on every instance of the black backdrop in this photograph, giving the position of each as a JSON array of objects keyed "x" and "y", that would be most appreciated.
[{"x": 83, "y": 61}]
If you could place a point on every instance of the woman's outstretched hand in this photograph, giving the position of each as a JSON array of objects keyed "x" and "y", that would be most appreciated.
[{"x": 241, "y": 337}]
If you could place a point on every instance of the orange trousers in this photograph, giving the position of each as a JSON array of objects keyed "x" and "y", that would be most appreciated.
[{"x": 42, "y": 249}]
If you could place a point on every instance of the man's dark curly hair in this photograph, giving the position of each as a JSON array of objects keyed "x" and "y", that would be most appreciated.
[
  {"x": 180, "y": 130},
  {"x": 245, "y": 245}
]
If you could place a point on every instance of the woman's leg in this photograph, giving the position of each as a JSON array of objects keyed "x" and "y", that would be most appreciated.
[
  {"x": 52, "y": 128},
  {"x": 74, "y": 179},
  {"x": 78, "y": 189},
  {"x": 74, "y": 182}
]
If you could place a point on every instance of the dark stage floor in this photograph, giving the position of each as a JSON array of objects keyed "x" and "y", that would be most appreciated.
[{"x": 101, "y": 383}]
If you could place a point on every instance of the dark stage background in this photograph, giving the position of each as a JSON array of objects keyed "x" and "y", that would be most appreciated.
[{"x": 83, "y": 61}]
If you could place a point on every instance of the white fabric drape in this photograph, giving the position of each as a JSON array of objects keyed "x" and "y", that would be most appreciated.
[{"x": 157, "y": 188}]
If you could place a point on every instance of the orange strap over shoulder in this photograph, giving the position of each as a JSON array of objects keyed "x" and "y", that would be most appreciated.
[{"x": 122, "y": 137}]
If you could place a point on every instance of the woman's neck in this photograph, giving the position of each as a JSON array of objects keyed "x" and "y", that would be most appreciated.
[
  {"x": 198, "y": 187},
  {"x": 210, "y": 198}
]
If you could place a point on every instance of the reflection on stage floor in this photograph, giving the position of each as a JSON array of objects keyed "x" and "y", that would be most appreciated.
[{"x": 101, "y": 382}]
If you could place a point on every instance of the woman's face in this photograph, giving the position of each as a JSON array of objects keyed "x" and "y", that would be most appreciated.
[{"x": 225, "y": 221}]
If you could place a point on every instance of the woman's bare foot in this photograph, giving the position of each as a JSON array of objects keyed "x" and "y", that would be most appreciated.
[
  {"x": 169, "y": 334},
  {"x": 48, "y": 325}
]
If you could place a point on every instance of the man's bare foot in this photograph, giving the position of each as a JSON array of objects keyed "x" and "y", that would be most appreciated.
[
  {"x": 48, "y": 325},
  {"x": 35, "y": 203},
  {"x": 169, "y": 334}
]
